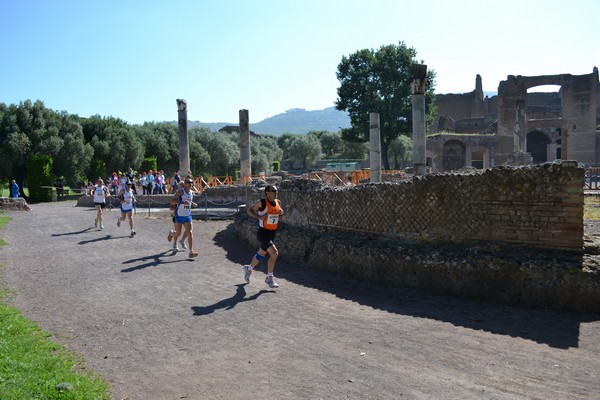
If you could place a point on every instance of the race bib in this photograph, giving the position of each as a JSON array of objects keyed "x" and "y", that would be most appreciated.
[{"x": 272, "y": 219}]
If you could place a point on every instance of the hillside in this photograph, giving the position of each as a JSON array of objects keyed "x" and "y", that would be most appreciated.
[{"x": 296, "y": 120}]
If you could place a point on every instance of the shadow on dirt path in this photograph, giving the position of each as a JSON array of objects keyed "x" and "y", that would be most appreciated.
[{"x": 556, "y": 329}]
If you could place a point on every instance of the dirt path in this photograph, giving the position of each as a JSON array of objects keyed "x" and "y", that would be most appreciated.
[{"x": 159, "y": 326}]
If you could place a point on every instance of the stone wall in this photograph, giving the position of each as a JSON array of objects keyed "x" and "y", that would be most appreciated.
[
  {"x": 510, "y": 235},
  {"x": 234, "y": 194},
  {"x": 12, "y": 204},
  {"x": 539, "y": 206}
]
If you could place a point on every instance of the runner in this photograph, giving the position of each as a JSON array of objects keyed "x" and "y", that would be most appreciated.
[
  {"x": 268, "y": 212},
  {"x": 127, "y": 198},
  {"x": 183, "y": 217},
  {"x": 100, "y": 193},
  {"x": 173, "y": 207}
]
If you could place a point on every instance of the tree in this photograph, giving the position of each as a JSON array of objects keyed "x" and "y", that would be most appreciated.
[
  {"x": 380, "y": 81},
  {"x": 355, "y": 150},
  {"x": 31, "y": 128},
  {"x": 400, "y": 150},
  {"x": 223, "y": 151},
  {"x": 306, "y": 149},
  {"x": 285, "y": 142},
  {"x": 162, "y": 141},
  {"x": 264, "y": 150},
  {"x": 331, "y": 142},
  {"x": 116, "y": 144},
  {"x": 74, "y": 157}
]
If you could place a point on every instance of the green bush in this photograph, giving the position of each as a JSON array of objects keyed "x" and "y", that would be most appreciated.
[
  {"x": 39, "y": 173},
  {"x": 98, "y": 170},
  {"x": 150, "y": 163},
  {"x": 4, "y": 184}
]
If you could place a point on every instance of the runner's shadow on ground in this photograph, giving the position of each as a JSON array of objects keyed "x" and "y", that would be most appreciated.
[
  {"x": 72, "y": 233},
  {"x": 229, "y": 303},
  {"x": 153, "y": 261},
  {"x": 107, "y": 237},
  {"x": 238, "y": 251}
]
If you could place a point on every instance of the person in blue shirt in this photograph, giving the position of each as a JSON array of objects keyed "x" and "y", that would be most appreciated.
[{"x": 14, "y": 189}]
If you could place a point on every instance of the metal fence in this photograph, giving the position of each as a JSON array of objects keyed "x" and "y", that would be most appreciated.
[{"x": 592, "y": 178}]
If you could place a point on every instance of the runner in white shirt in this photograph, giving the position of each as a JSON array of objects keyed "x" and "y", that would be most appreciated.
[
  {"x": 127, "y": 198},
  {"x": 100, "y": 193},
  {"x": 183, "y": 216}
]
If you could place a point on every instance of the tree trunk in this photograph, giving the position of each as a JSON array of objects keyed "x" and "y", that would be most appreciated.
[{"x": 384, "y": 154}]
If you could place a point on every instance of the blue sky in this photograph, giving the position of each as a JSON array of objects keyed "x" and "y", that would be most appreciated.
[{"x": 133, "y": 59}]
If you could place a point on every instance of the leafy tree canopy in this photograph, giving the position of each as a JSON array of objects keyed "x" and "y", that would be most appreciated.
[{"x": 380, "y": 81}]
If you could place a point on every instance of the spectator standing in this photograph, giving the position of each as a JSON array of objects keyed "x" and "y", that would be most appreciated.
[
  {"x": 114, "y": 183},
  {"x": 158, "y": 184},
  {"x": 139, "y": 185},
  {"x": 144, "y": 180},
  {"x": 175, "y": 181},
  {"x": 129, "y": 175},
  {"x": 14, "y": 189},
  {"x": 150, "y": 179}
]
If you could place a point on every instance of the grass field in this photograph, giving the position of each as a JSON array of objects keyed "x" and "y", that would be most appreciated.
[
  {"x": 32, "y": 366},
  {"x": 591, "y": 208},
  {"x": 6, "y": 192}
]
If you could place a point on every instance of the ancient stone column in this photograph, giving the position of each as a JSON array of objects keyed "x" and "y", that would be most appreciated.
[
  {"x": 521, "y": 126},
  {"x": 375, "y": 153},
  {"x": 184, "y": 148},
  {"x": 245, "y": 161},
  {"x": 419, "y": 87}
]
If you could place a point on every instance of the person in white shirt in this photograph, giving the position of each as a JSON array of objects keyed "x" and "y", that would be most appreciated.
[
  {"x": 127, "y": 203},
  {"x": 100, "y": 194},
  {"x": 183, "y": 217}
]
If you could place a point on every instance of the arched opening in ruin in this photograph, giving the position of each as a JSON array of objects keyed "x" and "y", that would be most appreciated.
[
  {"x": 544, "y": 102},
  {"x": 537, "y": 146},
  {"x": 454, "y": 155}
]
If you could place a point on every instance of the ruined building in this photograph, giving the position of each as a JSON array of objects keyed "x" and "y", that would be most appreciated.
[{"x": 515, "y": 127}]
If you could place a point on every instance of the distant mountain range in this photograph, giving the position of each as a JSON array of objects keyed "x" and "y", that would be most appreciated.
[{"x": 297, "y": 120}]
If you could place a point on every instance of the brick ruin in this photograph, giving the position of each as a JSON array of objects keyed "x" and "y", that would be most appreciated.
[
  {"x": 508, "y": 234},
  {"x": 516, "y": 127}
]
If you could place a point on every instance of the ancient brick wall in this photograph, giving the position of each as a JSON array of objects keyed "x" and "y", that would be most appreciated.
[
  {"x": 474, "y": 235},
  {"x": 539, "y": 206}
]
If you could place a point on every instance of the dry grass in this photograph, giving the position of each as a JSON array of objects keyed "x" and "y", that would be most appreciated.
[{"x": 591, "y": 208}]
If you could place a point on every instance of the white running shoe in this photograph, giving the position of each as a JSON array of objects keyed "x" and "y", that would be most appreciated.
[
  {"x": 271, "y": 282},
  {"x": 183, "y": 245},
  {"x": 101, "y": 226},
  {"x": 247, "y": 273}
]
